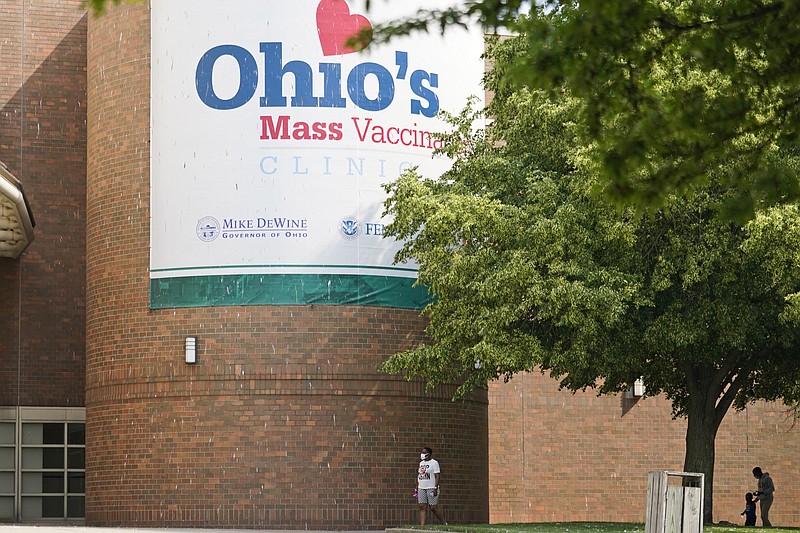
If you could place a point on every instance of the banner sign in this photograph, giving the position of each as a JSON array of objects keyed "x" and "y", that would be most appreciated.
[{"x": 271, "y": 138}]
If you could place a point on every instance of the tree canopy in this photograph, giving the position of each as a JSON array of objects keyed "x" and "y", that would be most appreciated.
[
  {"x": 532, "y": 270},
  {"x": 675, "y": 93}
]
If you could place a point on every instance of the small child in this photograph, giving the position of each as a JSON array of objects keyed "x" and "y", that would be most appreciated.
[{"x": 749, "y": 510}]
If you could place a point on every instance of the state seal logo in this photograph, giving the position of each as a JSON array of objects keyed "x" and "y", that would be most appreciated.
[{"x": 207, "y": 229}]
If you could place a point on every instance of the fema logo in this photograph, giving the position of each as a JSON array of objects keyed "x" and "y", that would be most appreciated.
[
  {"x": 207, "y": 229},
  {"x": 348, "y": 228}
]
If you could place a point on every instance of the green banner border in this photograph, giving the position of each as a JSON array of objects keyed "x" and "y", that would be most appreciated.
[{"x": 287, "y": 289}]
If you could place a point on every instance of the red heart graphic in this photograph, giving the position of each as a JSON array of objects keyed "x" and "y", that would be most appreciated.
[{"x": 336, "y": 26}]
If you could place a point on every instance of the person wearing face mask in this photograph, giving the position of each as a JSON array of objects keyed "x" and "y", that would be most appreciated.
[{"x": 428, "y": 486}]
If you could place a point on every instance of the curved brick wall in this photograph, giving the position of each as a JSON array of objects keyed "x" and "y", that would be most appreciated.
[{"x": 284, "y": 422}]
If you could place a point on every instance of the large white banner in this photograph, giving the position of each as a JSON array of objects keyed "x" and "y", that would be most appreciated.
[{"x": 271, "y": 140}]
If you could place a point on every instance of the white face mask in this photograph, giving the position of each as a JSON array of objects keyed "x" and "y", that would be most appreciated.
[{"x": 423, "y": 456}]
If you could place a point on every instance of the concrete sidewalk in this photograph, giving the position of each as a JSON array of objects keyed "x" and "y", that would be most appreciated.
[{"x": 15, "y": 528}]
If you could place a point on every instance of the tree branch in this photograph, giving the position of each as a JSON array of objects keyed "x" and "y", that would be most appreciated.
[
  {"x": 737, "y": 379},
  {"x": 666, "y": 24},
  {"x": 726, "y": 373},
  {"x": 727, "y": 399}
]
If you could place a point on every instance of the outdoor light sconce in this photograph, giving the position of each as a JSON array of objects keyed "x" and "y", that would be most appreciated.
[
  {"x": 191, "y": 350},
  {"x": 636, "y": 390}
]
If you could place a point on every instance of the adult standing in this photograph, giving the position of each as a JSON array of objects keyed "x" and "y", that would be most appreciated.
[
  {"x": 428, "y": 486},
  {"x": 765, "y": 491}
]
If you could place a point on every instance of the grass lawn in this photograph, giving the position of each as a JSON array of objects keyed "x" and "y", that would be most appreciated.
[{"x": 588, "y": 527}]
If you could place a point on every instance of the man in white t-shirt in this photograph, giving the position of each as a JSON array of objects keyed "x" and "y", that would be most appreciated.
[{"x": 428, "y": 486}]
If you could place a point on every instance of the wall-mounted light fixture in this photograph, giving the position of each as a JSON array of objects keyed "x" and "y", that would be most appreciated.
[
  {"x": 636, "y": 390},
  {"x": 639, "y": 388},
  {"x": 191, "y": 350}
]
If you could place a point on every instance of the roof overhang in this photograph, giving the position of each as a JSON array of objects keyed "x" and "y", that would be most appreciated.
[{"x": 16, "y": 218}]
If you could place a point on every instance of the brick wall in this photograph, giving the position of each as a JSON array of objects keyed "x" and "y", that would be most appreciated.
[
  {"x": 43, "y": 142},
  {"x": 284, "y": 422},
  {"x": 556, "y": 456}
]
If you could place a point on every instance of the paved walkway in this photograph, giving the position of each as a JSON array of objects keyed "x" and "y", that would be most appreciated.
[{"x": 14, "y": 528}]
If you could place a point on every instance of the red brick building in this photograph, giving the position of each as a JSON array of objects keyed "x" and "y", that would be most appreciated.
[{"x": 284, "y": 421}]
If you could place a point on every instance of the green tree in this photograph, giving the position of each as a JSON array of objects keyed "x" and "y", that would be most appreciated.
[
  {"x": 642, "y": 67},
  {"x": 531, "y": 270}
]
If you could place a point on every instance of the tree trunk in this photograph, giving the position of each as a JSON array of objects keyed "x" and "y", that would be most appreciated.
[{"x": 701, "y": 433}]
